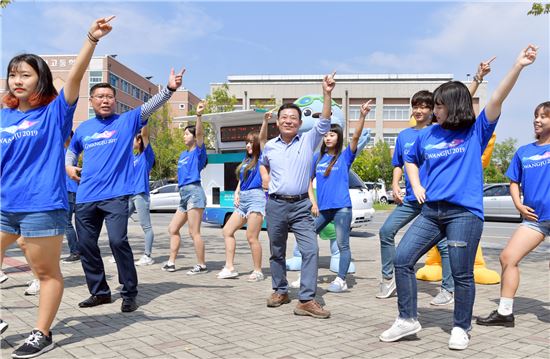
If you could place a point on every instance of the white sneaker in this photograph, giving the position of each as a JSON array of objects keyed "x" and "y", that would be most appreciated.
[
  {"x": 459, "y": 339},
  {"x": 387, "y": 288},
  {"x": 112, "y": 259},
  {"x": 255, "y": 276},
  {"x": 401, "y": 328},
  {"x": 444, "y": 297},
  {"x": 145, "y": 260},
  {"x": 295, "y": 284},
  {"x": 337, "y": 286},
  {"x": 33, "y": 288},
  {"x": 3, "y": 277},
  {"x": 226, "y": 273}
]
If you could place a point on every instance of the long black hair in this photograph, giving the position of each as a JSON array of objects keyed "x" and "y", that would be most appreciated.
[
  {"x": 456, "y": 97},
  {"x": 337, "y": 129}
]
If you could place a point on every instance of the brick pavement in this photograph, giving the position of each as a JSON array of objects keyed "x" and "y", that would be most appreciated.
[{"x": 201, "y": 316}]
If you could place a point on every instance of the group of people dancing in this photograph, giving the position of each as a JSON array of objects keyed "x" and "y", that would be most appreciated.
[{"x": 441, "y": 161}]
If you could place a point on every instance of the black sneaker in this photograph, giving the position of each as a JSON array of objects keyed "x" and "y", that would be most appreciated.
[
  {"x": 3, "y": 326},
  {"x": 128, "y": 305},
  {"x": 71, "y": 258},
  {"x": 37, "y": 343},
  {"x": 169, "y": 267},
  {"x": 497, "y": 319},
  {"x": 197, "y": 269}
]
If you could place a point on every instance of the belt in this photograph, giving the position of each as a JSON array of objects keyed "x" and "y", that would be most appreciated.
[{"x": 288, "y": 198}]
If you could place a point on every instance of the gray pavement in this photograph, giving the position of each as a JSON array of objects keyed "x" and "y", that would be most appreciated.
[{"x": 200, "y": 316}]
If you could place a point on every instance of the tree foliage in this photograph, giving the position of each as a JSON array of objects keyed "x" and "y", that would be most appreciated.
[
  {"x": 167, "y": 143},
  {"x": 500, "y": 161},
  {"x": 4, "y": 3},
  {"x": 374, "y": 163},
  {"x": 539, "y": 8}
]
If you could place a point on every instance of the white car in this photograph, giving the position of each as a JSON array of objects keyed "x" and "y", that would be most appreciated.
[
  {"x": 378, "y": 190},
  {"x": 498, "y": 203},
  {"x": 165, "y": 198},
  {"x": 361, "y": 201}
]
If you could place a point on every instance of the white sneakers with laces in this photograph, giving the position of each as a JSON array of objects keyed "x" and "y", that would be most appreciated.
[
  {"x": 401, "y": 328},
  {"x": 459, "y": 339}
]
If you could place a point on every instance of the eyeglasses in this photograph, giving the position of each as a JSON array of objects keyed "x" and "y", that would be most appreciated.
[{"x": 101, "y": 97}]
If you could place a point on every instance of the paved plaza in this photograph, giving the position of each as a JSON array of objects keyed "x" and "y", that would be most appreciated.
[{"x": 200, "y": 316}]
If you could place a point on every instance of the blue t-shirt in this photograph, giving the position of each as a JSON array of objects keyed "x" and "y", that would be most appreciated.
[
  {"x": 72, "y": 185},
  {"x": 405, "y": 140},
  {"x": 143, "y": 163},
  {"x": 333, "y": 190},
  {"x": 32, "y": 166},
  {"x": 530, "y": 166},
  {"x": 452, "y": 161},
  {"x": 107, "y": 169},
  {"x": 190, "y": 165},
  {"x": 254, "y": 179}
]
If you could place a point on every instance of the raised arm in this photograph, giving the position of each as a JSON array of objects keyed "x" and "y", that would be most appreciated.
[
  {"x": 483, "y": 69},
  {"x": 99, "y": 28},
  {"x": 199, "y": 130},
  {"x": 145, "y": 136},
  {"x": 328, "y": 86},
  {"x": 263, "y": 129},
  {"x": 365, "y": 109},
  {"x": 155, "y": 102},
  {"x": 526, "y": 57}
]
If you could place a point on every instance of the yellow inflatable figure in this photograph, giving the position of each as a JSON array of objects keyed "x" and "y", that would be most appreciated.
[{"x": 432, "y": 270}]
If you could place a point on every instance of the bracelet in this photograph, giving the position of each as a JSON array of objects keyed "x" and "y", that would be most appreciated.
[
  {"x": 478, "y": 79},
  {"x": 171, "y": 90},
  {"x": 92, "y": 38}
]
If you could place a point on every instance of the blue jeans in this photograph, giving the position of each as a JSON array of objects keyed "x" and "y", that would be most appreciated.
[
  {"x": 282, "y": 216},
  {"x": 342, "y": 223},
  {"x": 140, "y": 202},
  {"x": 72, "y": 238},
  {"x": 463, "y": 231},
  {"x": 399, "y": 218},
  {"x": 89, "y": 220}
]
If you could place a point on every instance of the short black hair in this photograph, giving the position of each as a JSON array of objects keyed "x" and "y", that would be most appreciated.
[
  {"x": 456, "y": 97},
  {"x": 102, "y": 85},
  {"x": 45, "y": 91},
  {"x": 423, "y": 97},
  {"x": 290, "y": 105}
]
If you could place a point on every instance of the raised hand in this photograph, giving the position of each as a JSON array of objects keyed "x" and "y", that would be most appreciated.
[
  {"x": 200, "y": 107},
  {"x": 175, "y": 80},
  {"x": 101, "y": 27},
  {"x": 484, "y": 68},
  {"x": 527, "y": 56},
  {"x": 329, "y": 83},
  {"x": 268, "y": 116},
  {"x": 365, "y": 108}
]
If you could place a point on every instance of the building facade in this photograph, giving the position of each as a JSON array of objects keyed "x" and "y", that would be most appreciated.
[{"x": 390, "y": 95}]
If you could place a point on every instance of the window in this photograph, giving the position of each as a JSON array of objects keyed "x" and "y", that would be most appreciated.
[
  {"x": 396, "y": 112},
  {"x": 91, "y": 112},
  {"x": 355, "y": 111},
  {"x": 169, "y": 189},
  {"x": 371, "y": 141},
  {"x": 124, "y": 86},
  {"x": 145, "y": 97},
  {"x": 390, "y": 139},
  {"x": 113, "y": 80},
  {"x": 95, "y": 78}
]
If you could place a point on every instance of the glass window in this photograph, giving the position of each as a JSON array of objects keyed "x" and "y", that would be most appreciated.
[
  {"x": 124, "y": 85},
  {"x": 355, "y": 181},
  {"x": 355, "y": 111},
  {"x": 169, "y": 189},
  {"x": 390, "y": 139},
  {"x": 95, "y": 77},
  {"x": 113, "y": 80},
  {"x": 396, "y": 112}
]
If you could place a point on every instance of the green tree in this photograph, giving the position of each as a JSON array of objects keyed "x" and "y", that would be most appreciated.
[
  {"x": 375, "y": 163},
  {"x": 493, "y": 174},
  {"x": 539, "y": 8},
  {"x": 4, "y": 3},
  {"x": 167, "y": 143},
  {"x": 500, "y": 161}
]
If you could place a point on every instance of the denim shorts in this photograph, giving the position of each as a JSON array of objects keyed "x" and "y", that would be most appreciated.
[
  {"x": 542, "y": 227},
  {"x": 252, "y": 200},
  {"x": 34, "y": 224},
  {"x": 192, "y": 196}
]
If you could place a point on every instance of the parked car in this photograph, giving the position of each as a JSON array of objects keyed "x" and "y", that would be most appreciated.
[
  {"x": 161, "y": 182},
  {"x": 390, "y": 194},
  {"x": 497, "y": 202},
  {"x": 165, "y": 198},
  {"x": 378, "y": 190}
]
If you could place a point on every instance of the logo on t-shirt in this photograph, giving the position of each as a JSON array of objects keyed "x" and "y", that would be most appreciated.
[
  {"x": 536, "y": 160},
  {"x": 444, "y": 145},
  {"x": 183, "y": 161},
  {"x": 104, "y": 136},
  {"x": 407, "y": 147},
  {"x": 446, "y": 149},
  {"x": 18, "y": 131}
]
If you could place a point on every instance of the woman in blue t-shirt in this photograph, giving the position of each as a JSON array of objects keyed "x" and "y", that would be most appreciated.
[
  {"x": 452, "y": 193},
  {"x": 144, "y": 161},
  {"x": 331, "y": 168},
  {"x": 530, "y": 167},
  {"x": 249, "y": 204},
  {"x": 193, "y": 199},
  {"x": 33, "y": 128}
]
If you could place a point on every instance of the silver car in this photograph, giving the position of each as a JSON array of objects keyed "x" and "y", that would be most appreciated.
[
  {"x": 165, "y": 198},
  {"x": 497, "y": 202}
]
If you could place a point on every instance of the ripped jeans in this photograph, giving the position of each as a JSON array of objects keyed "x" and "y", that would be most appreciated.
[{"x": 463, "y": 231}]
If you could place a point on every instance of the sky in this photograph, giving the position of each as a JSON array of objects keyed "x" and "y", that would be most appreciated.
[{"x": 213, "y": 40}]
